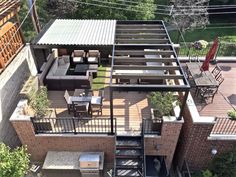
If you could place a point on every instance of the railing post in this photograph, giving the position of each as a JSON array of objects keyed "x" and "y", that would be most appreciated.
[
  {"x": 111, "y": 111},
  {"x": 73, "y": 121}
]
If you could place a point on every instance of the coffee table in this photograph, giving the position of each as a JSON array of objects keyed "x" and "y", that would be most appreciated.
[{"x": 82, "y": 69}]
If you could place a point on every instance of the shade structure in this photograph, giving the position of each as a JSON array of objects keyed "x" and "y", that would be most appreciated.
[{"x": 210, "y": 55}]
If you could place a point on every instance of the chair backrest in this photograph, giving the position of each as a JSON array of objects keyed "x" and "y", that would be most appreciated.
[
  {"x": 220, "y": 79},
  {"x": 66, "y": 96},
  {"x": 210, "y": 92},
  {"x": 80, "y": 108},
  {"x": 93, "y": 53},
  {"x": 216, "y": 71},
  {"x": 78, "y": 53},
  {"x": 62, "y": 52},
  {"x": 101, "y": 93}
]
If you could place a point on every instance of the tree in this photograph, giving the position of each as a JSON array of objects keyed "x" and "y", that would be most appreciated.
[
  {"x": 224, "y": 165},
  {"x": 187, "y": 14},
  {"x": 104, "y": 9},
  {"x": 13, "y": 163}
]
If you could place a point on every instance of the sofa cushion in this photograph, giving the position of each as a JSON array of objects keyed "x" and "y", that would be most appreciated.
[
  {"x": 61, "y": 62},
  {"x": 92, "y": 59},
  {"x": 60, "y": 72},
  {"x": 66, "y": 58},
  {"x": 78, "y": 60}
]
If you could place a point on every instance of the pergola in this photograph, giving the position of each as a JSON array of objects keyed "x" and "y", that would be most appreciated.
[{"x": 144, "y": 59}]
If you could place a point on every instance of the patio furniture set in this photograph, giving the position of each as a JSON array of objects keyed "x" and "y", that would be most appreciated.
[
  {"x": 81, "y": 57},
  {"x": 83, "y": 103},
  {"x": 207, "y": 82}
]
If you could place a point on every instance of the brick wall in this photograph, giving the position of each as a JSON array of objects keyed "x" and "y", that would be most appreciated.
[
  {"x": 194, "y": 145},
  {"x": 165, "y": 144},
  {"x": 39, "y": 145}
]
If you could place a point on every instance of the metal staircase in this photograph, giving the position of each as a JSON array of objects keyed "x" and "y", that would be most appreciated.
[{"x": 129, "y": 156}]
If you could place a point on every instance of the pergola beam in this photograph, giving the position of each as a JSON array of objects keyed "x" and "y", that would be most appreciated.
[
  {"x": 142, "y": 67},
  {"x": 145, "y": 76},
  {"x": 142, "y": 52},
  {"x": 141, "y": 59},
  {"x": 142, "y": 41}
]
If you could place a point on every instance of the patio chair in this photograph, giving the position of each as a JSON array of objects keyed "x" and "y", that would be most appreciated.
[
  {"x": 68, "y": 101},
  {"x": 80, "y": 110},
  {"x": 78, "y": 56},
  {"x": 97, "y": 102},
  {"x": 216, "y": 71},
  {"x": 93, "y": 56},
  {"x": 208, "y": 93},
  {"x": 62, "y": 52},
  {"x": 220, "y": 79}
]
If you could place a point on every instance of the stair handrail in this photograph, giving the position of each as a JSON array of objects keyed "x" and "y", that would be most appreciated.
[
  {"x": 143, "y": 147},
  {"x": 115, "y": 136}
]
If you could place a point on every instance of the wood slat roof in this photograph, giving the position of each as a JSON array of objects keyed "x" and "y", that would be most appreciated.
[{"x": 143, "y": 54}]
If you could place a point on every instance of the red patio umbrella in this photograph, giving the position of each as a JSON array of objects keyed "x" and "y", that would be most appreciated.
[{"x": 210, "y": 55}]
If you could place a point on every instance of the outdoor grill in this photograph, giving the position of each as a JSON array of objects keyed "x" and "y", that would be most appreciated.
[{"x": 89, "y": 165}]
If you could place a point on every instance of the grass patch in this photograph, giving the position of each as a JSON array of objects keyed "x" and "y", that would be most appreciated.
[{"x": 99, "y": 81}]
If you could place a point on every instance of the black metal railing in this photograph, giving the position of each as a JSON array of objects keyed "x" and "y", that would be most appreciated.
[
  {"x": 152, "y": 127},
  {"x": 72, "y": 125}
]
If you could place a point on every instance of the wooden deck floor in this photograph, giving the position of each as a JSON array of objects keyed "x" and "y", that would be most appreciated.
[
  {"x": 225, "y": 99},
  {"x": 129, "y": 109}
]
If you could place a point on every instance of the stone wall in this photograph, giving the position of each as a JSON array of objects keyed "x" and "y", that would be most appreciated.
[
  {"x": 12, "y": 79},
  {"x": 165, "y": 144},
  {"x": 39, "y": 145}
]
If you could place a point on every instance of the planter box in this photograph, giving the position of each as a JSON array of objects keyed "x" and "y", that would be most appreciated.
[{"x": 31, "y": 84}]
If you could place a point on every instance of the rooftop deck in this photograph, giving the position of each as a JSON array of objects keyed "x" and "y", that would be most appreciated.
[
  {"x": 224, "y": 100},
  {"x": 129, "y": 109}
]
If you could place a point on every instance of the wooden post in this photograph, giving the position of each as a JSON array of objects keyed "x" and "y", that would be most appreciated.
[{"x": 34, "y": 16}]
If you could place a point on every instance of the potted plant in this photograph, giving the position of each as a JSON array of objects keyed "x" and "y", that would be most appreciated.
[
  {"x": 39, "y": 103},
  {"x": 30, "y": 85},
  {"x": 161, "y": 105},
  {"x": 232, "y": 114}
]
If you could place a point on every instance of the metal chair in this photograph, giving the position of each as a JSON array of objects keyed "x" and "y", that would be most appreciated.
[
  {"x": 80, "y": 110},
  {"x": 208, "y": 93},
  {"x": 97, "y": 103},
  {"x": 216, "y": 71},
  {"x": 220, "y": 79},
  {"x": 68, "y": 101}
]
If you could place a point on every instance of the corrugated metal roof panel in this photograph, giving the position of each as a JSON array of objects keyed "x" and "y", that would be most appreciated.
[{"x": 79, "y": 32}]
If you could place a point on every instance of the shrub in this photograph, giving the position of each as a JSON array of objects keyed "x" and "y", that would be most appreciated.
[
  {"x": 162, "y": 102},
  {"x": 232, "y": 114},
  {"x": 13, "y": 163},
  {"x": 224, "y": 165},
  {"x": 39, "y": 102}
]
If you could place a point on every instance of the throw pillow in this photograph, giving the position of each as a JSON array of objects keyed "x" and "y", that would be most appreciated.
[{"x": 61, "y": 62}]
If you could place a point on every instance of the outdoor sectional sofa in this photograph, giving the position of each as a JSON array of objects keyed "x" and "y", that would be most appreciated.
[{"x": 57, "y": 79}]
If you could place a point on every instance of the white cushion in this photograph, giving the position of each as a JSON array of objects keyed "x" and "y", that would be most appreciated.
[
  {"x": 66, "y": 58},
  {"x": 61, "y": 62},
  {"x": 78, "y": 59},
  {"x": 60, "y": 72},
  {"x": 92, "y": 59},
  {"x": 96, "y": 100}
]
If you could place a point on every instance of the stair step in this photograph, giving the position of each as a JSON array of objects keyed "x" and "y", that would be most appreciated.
[
  {"x": 128, "y": 152},
  {"x": 128, "y": 163},
  {"x": 128, "y": 143},
  {"x": 128, "y": 173}
]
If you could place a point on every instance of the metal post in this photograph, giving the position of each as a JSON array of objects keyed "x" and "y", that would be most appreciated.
[
  {"x": 183, "y": 105},
  {"x": 73, "y": 122},
  {"x": 111, "y": 111}
]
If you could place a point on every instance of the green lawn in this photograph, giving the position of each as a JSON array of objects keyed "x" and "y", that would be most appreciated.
[
  {"x": 227, "y": 38},
  {"x": 99, "y": 81}
]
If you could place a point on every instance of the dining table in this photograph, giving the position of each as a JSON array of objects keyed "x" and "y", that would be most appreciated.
[{"x": 201, "y": 78}]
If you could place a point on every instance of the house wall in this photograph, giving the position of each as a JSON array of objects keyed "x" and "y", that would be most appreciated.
[
  {"x": 165, "y": 144},
  {"x": 39, "y": 145},
  {"x": 12, "y": 80},
  {"x": 195, "y": 146}
]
